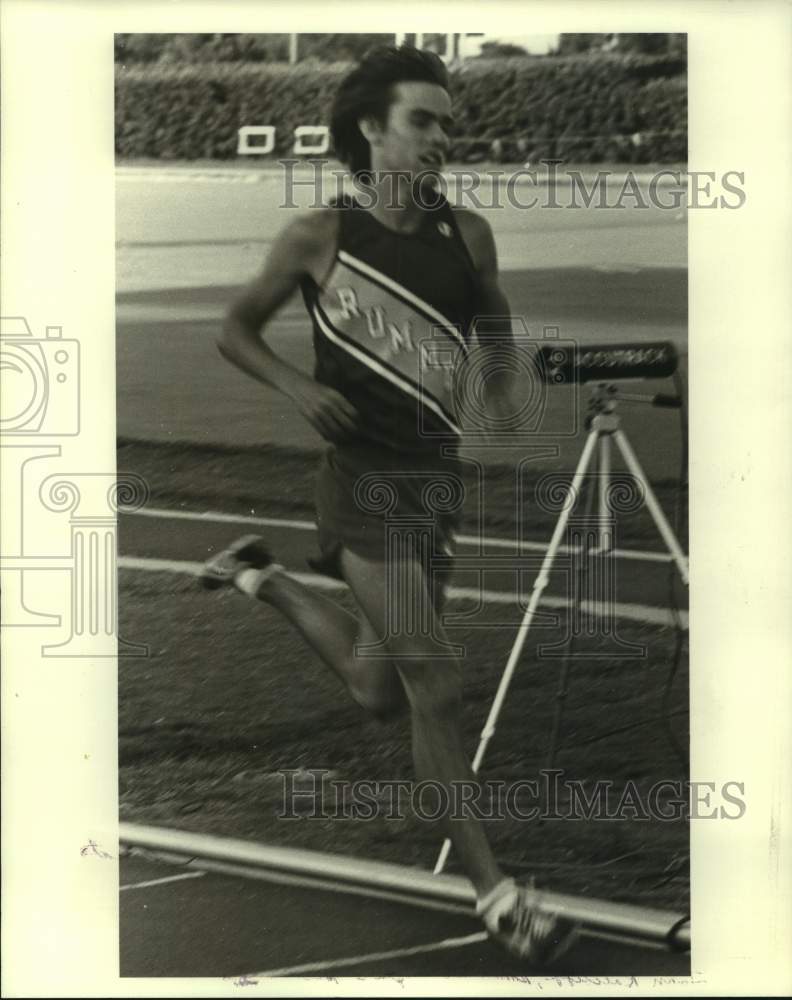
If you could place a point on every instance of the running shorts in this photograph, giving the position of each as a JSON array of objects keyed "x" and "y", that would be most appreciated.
[{"x": 380, "y": 504}]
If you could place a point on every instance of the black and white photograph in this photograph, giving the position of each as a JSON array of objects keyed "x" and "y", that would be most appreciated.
[
  {"x": 417, "y": 306},
  {"x": 405, "y": 598}
]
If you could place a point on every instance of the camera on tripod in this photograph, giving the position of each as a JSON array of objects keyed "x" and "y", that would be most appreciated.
[
  {"x": 612, "y": 363},
  {"x": 607, "y": 363}
]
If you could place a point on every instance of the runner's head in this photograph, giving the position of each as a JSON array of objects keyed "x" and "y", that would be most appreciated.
[{"x": 392, "y": 112}]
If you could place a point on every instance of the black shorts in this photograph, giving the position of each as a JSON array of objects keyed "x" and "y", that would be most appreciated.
[{"x": 380, "y": 504}]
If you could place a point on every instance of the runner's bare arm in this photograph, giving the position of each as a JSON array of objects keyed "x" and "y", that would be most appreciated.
[
  {"x": 304, "y": 248},
  {"x": 493, "y": 326},
  {"x": 477, "y": 234}
]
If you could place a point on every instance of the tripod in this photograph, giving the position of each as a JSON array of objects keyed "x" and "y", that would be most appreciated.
[{"x": 604, "y": 427}]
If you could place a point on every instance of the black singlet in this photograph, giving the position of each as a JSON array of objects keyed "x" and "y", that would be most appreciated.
[{"x": 391, "y": 323}]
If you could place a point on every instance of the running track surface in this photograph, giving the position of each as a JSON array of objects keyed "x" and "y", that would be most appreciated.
[
  {"x": 180, "y": 539},
  {"x": 175, "y": 922}
]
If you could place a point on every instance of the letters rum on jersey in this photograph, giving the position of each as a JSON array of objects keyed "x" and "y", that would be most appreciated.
[{"x": 390, "y": 323}]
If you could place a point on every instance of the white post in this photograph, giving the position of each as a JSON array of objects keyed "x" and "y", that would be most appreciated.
[
  {"x": 244, "y": 147},
  {"x": 419, "y": 39},
  {"x": 293, "y": 48},
  {"x": 318, "y": 148}
]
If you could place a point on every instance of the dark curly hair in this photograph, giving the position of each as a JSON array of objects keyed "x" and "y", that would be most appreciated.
[{"x": 368, "y": 92}]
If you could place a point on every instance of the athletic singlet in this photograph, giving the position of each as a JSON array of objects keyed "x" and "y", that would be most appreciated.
[{"x": 391, "y": 323}]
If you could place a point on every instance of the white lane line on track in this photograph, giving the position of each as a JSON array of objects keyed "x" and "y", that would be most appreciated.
[
  {"x": 629, "y": 612},
  {"x": 376, "y": 956},
  {"x": 638, "y": 555},
  {"x": 161, "y": 881}
]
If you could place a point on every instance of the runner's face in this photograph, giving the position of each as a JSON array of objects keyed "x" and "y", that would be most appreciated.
[{"x": 415, "y": 136}]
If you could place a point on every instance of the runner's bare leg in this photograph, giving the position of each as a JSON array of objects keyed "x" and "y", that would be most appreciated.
[
  {"x": 334, "y": 633},
  {"x": 434, "y": 690}
]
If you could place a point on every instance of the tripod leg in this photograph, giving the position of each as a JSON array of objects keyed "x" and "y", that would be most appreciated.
[
  {"x": 540, "y": 583},
  {"x": 579, "y": 582},
  {"x": 604, "y": 487},
  {"x": 655, "y": 510}
]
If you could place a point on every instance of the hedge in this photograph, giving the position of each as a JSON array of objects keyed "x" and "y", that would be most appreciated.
[{"x": 579, "y": 109}]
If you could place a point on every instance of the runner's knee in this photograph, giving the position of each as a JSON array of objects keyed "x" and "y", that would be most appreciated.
[
  {"x": 384, "y": 706},
  {"x": 434, "y": 688},
  {"x": 376, "y": 684}
]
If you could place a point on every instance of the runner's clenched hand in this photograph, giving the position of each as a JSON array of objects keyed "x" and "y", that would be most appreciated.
[{"x": 330, "y": 413}]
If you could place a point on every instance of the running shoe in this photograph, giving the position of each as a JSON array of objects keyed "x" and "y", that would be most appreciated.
[
  {"x": 249, "y": 551},
  {"x": 514, "y": 916}
]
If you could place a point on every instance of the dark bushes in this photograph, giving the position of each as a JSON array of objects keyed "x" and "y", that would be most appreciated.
[{"x": 582, "y": 109}]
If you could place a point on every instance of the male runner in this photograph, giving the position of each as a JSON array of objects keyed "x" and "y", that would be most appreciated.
[{"x": 383, "y": 276}]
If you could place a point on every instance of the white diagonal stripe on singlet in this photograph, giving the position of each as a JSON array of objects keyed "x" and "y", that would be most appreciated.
[
  {"x": 387, "y": 373},
  {"x": 402, "y": 292}
]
